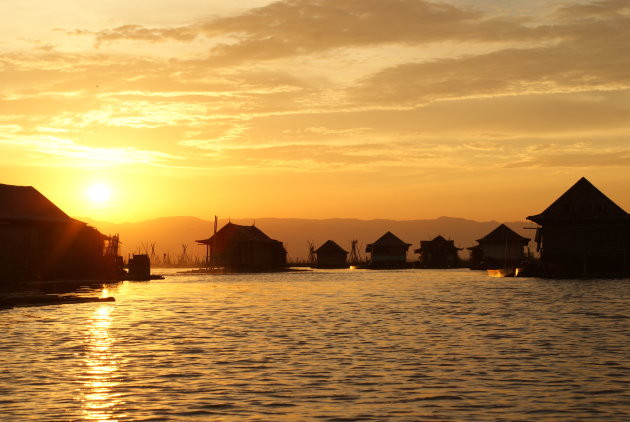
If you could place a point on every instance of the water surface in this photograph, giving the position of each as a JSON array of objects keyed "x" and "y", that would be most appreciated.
[{"x": 344, "y": 345}]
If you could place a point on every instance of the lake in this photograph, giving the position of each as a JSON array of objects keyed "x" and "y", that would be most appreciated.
[{"x": 336, "y": 345}]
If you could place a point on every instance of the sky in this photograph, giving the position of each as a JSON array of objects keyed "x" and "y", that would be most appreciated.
[{"x": 130, "y": 110}]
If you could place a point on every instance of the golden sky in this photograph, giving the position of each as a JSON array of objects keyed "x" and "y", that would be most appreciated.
[{"x": 403, "y": 109}]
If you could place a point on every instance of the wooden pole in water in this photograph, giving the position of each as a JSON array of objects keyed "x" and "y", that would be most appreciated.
[{"x": 214, "y": 243}]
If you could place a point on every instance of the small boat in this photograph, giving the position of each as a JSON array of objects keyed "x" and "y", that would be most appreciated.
[{"x": 504, "y": 272}]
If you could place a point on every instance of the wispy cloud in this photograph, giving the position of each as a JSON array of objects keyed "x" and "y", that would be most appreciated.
[
  {"x": 292, "y": 27},
  {"x": 55, "y": 151},
  {"x": 329, "y": 86}
]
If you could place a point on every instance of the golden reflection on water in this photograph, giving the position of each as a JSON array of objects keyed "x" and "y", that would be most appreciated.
[
  {"x": 104, "y": 293},
  {"x": 98, "y": 391}
]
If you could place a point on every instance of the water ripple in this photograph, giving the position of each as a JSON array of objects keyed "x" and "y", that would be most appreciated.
[{"x": 325, "y": 345}]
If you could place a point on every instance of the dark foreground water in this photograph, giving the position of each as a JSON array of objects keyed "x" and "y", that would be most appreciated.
[{"x": 325, "y": 346}]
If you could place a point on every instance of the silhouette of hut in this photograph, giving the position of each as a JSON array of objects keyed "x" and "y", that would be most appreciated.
[
  {"x": 139, "y": 267},
  {"x": 331, "y": 255},
  {"x": 38, "y": 241},
  {"x": 438, "y": 253},
  {"x": 388, "y": 252},
  {"x": 583, "y": 232},
  {"x": 244, "y": 248},
  {"x": 501, "y": 248}
]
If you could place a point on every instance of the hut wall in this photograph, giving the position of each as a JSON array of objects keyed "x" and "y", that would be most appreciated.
[
  {"x": 331, "y": 259},
  {"x": 72, "y": 251},
  {"x": 502, "y": 251},
  {"x": 579, "y": 239},
  {"x": 43, "y": 251},
  {"x": 19, "y": 253},
  {"x": 385, "y": 254},
  {"x": 438, "y": 255},
  {"x": 252, "y": 256},
  {"x": 594, "y": 248}
]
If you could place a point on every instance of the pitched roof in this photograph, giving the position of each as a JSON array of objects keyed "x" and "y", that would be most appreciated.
[
  {"x": 389, "y": 239},
  {"x": 330, "y": 247},
  {"x": 438, "y": 241},
  {"x": 502, "y": 233},
  {"x": 237, "y": 233},
  {"x": 25, "y": 203},
  {"x": 582, "y": 201}
]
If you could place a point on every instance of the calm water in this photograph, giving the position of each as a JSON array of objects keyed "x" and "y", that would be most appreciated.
[{"x": 347, "y": 345}]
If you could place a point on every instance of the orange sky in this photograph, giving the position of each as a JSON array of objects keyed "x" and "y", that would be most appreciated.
[{"x": 403, "y": 109}]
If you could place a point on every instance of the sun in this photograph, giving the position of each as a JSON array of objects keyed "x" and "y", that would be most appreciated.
[{"x": 99, "y": 193}]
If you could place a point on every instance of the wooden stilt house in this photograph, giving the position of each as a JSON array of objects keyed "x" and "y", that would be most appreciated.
[
  {"x": 438, "y": 253},
  {"x": 583, "y": 233},
  {"x": 331, "y": 255},
  {"x": 501, "y": 248},
  {"x": 244, "y": 248},
  {"x": 38, "y": 241},
  {"x": 388, "y": 252}
]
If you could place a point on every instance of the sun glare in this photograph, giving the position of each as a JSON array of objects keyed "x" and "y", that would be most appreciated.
[{"x": 99, "y": 193}]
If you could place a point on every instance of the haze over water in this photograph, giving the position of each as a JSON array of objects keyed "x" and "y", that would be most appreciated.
[{"x": 325, "y": 346}]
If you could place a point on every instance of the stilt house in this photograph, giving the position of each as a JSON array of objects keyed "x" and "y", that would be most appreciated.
[
  {"x": 244, "y": 248},
  {"x": 38, "y": 241},
  {"x": 501, "y": 248},
  {"x": 438, "y": 253},
  {"x": 583, "y": 233},
  {"x": 331, "y": 255},
  {"x": 388, "y": 252}
]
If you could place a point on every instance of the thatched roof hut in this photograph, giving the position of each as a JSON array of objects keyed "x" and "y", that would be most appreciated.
[
  {"x": 438, "y": 253},
  {"x": 244, "y": 248},
  {"x": 584, "y": 232},
  {"x": 38, "y": 241},
  {"x": 388, "y": 252},
  {"x": 331, "y": 255},
  {"x": 501, "y": 248}
]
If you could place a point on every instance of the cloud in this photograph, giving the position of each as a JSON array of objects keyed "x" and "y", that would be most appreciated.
[
  {"x": 140, "y": 33},
  {"x": 361, "y": 84},
  {"x": 309, "y": 157},
  {"x": 298, "y": 27},
  {"x": 597, "y": 9},
  {"x": 593, "y": 158},
  {"x": 588, "y": 49},
  {"x": 563, "y": 68},
  {"x": 67, "y": 153}
]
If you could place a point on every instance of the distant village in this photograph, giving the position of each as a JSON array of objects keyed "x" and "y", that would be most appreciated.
[{"x": 583, "y": 233}]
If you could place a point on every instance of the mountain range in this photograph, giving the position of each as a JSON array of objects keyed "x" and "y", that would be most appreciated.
[{"x": 171, "y": 235}]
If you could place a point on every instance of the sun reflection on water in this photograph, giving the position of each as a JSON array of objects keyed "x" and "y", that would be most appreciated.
[
  {"x": 99, "y": 397},
  {"x": 104, "y": 292}
]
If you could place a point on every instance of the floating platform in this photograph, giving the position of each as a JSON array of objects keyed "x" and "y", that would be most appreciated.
[{"x": 12, "y": 301}]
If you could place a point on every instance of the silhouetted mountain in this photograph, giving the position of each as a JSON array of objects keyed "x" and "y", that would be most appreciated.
[{"x": 170, "y": 233}]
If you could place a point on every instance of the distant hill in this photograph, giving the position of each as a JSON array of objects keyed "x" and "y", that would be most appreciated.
[{"x": 168, "y": 234}]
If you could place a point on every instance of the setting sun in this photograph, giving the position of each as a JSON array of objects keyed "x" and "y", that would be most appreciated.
[{"x": 99, "y": 193}]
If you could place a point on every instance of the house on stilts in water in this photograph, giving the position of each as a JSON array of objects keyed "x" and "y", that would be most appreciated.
[
  {"x": 331, "y": 255},
  {"x": 388, "y": 252},
  {"x": 438, "y": 253},
  {"x": 583, "y": 233},
  {"x": 244, "y": 248},
  {"x": 39, "y": 242},
  {"x": 501, "y": 248}
]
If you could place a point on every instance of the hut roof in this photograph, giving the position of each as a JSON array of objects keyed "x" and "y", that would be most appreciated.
[
  {"x": 582, "y": 201},
  {"x": 330, "y": 247},
  {"x": 502, "y": 233},
  {"x": 237, "y": 233},
  {"x": 438, "y": 240},
  {"x": 389, "y": 239},
  {"x": 26, "y": 203}
]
